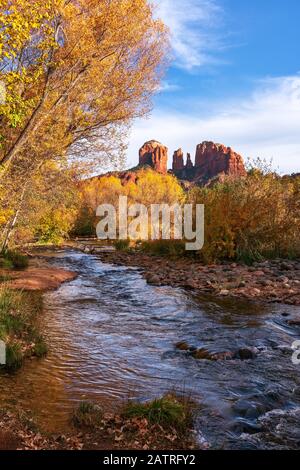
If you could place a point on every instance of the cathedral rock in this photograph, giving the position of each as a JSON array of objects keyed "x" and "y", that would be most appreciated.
[
  {"x": 211, "y": 161},
  {"x": 155, "y": 155}
]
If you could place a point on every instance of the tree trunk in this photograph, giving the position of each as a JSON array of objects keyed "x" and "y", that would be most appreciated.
[{"x": 13, "y": 221}]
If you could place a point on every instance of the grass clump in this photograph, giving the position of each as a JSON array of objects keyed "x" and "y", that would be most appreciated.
[
  {"x": 169, "y": 411},
  {"x": 169, "y": 248},
  {"x": 14, "y": 259},
  {"x": 14, "y": 356},
  {"x": 18, "y": 329},
  {"x": 40, "y": 347},
  {"x": 5, "y": 263},
  {"x": 87, "y": 414},
  {"x": 122, "y": 245},
  {"x": 4, "y": 278}
]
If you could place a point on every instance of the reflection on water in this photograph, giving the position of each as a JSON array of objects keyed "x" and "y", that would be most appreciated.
[{"x": 111, "y": 336}]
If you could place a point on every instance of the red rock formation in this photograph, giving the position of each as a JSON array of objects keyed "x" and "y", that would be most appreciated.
[
  {"x": 155, "y": 155},
  {"x": 127, "y": 177},
  {"x": 189, "y": 163},
  {"x": 213, "y": 159},
  {"x": 213, "y": 163},
  {"x": 178, "y": 163}
]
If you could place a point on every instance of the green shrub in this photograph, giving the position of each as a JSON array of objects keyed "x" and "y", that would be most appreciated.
[
  {"x": 5, "y": 263},
  {"x": 18, "y": 312},
  {"x": 87, "y": 414},
  {"x": 85, "y": 224},
  {"x": 16, "y": 259},
  {"x": 171, "y": 248},
  {"x": 168, "y": 411},
  {"x": 14, "y": 356},
  {"x": 122, "y": 245},
  {"x": 40, "y": 347}
]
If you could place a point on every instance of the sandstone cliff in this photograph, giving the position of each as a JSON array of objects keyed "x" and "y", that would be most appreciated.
[
  {"x": 155, "y": 155},
  {"x": 211, "y": 161}
]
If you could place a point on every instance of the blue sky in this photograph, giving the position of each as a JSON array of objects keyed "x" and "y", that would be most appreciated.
[{"x": 234, "y": 79}]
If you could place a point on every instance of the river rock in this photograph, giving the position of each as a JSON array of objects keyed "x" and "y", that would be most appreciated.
[
  {"x": 245, "y": 354},
  {"x": 286, "y": 266},
  {"x": 153, "y": 279},
  {"x": 255, "y": 291},
  {"x": 294, "y": 322},
  {"x": 248, "y": 409},
  {"x": 265, "y": 282},
  {"x": 217, "y": 356},
  {"x": 222, "y": 356},
  {"x": 182, "y": 346},
  {"x": 258, "y": 273},
  {"x": 283, "y": 279},
  {"x": 224, "y": 292},
  {"x": 242, "y": 426},
  {"x": 201, "y": 354}
]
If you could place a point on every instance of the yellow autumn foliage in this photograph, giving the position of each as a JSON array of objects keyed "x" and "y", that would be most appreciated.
[
  {"x": 251, "y": 218},
  {"x": 76, "y": 74},
  {"x": 150, "y": 188}
]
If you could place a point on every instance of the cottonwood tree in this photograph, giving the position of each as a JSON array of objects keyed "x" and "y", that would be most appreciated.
[{"x": 76, "y": 74}]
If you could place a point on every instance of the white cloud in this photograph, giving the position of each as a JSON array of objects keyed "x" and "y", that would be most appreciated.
[
  {"x": 168, "y": 87},
  {"x": 193, "y": 25},
  {"x": 265, "y": 124}
]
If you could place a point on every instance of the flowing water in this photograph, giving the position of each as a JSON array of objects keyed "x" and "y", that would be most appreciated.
[{"x": 111, "y": 337}]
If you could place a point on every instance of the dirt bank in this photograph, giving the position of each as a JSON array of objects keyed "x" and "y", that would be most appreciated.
[{"x": 37, "y": 278}]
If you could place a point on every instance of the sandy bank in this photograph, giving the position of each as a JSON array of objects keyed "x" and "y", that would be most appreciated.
[{"x": 38, "y": 278}]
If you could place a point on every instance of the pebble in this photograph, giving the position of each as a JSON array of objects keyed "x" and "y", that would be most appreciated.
[
  {"x": 265, "y": 282},
  {"x": 258, "y": 273},
  {"x": 283, "y": 279},
  {"x": 224, "y": 292},
  {"x": 255, "y": 291}
]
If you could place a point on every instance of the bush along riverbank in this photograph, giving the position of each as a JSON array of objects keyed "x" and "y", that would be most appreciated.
[{"x": 19, "y": 329}]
